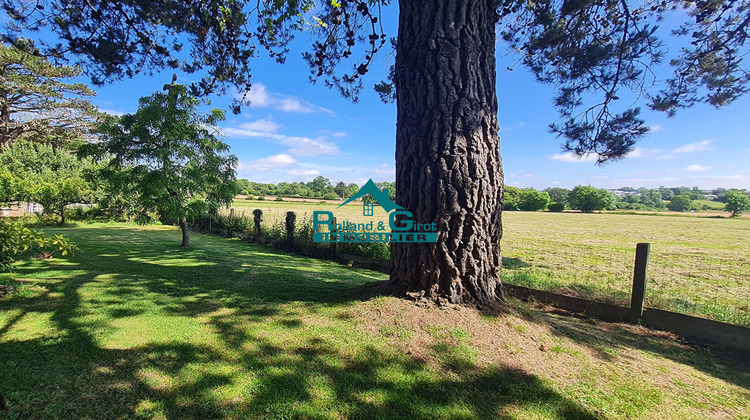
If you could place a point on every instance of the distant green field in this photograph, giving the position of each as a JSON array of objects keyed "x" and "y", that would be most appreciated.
[
  {"x": 698, "y": 265},
  {"x": 275, "y": 211},
  {"x": 710, "y": 205}
]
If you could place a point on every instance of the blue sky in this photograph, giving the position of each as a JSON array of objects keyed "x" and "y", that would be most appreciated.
[{"x": 294, "y": 131}]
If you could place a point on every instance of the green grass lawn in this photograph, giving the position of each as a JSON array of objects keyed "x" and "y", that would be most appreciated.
[
  {"x": 698, "y": 265},
  {"x": 133, "y": 326}
]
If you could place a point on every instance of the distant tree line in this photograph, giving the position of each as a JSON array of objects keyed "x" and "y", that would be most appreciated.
[
  {"x": 320, "y": 187},
  {"x": 589, "y": 199}
]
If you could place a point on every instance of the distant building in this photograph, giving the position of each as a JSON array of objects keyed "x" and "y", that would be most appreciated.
[
  {"x": 20, "y": 209},
  {"x": 34, "y": 208}
]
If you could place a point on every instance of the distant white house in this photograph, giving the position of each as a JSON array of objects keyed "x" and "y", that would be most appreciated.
[
  {"x": 34, "y": 208},
  {"x": 20, "y": 209}
]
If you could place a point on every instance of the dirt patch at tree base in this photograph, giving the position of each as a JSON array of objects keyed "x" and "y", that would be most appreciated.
[{"x": 574, "y": 353}]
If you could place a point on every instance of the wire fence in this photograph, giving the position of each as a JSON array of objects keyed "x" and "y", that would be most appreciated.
[
  {"x": 710, "y": 282},
  {"x": 691, "y": 281}
]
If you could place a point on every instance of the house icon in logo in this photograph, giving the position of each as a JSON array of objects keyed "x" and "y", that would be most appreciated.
[{"x": 381, "y": 196}]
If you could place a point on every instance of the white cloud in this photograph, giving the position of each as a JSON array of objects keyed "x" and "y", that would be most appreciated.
[
  {"x": 114, "y": 112},
  {"x": 344, "y": 134},
  {"x": 256, "y": 96},
  {"x": 697, "y": 179},
  {"x": 384, "y": 169},
  {"x": 298, "y": 146},
  {"x": 510, "y": 127},
  {"x": 700, "y": 146},
  {"x": 640, "y": 152},
  {"x": 570, "y": 157},
  {"x": 260, "y": 97},
  {"x": 275, "y": 161},
  {"x": 655, "y": 128},
  {"x": 262, "y": 125},
  {"x": 696, "y": 168},
  {"x": 329, "y": 168},
  {"x": 306, "y": 174}
]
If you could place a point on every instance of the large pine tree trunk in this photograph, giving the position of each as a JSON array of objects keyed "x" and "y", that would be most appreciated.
[{"x": 448, "y": 167}]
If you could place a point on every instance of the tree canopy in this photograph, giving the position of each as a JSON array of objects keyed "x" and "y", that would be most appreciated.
[
  {"x": 171, "y": 155},
  {"x": 592, "y": 52},
  {"x": 736, "y": 202},
  {"x": 589, "y": 199},
  {"x": 52, "y": 177},
  {"x": 35, "y": 101},
  {"x": 680, "y": 202}
]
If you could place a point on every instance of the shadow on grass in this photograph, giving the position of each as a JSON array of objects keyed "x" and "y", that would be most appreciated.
[
  {"x": 67, "y": 369},
  {"x": 608, "y": 340}
]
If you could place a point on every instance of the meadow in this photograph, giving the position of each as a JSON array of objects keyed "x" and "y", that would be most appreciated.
[
  {"x": 698, "y": 265},
  {"x": 133, "y": 326}
]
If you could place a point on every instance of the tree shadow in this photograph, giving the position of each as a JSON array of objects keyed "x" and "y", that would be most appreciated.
[
  {"x": 608, "y": 339},
  {"x": 70, "y": 371}
]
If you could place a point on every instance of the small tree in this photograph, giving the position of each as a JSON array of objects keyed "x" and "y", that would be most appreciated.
[
  {"x": 533, "y": 200},
  {"x": 340, "y": 189},
  {"x": 588, "y": 199},
  {"x": 736, "y": 202},
  {"x": 680, "y": 202},
  {"x": 175, "y": 160}
]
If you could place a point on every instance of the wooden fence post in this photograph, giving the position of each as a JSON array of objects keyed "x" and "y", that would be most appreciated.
[
  {"x": 257, "y": 220},
  {"x": 334, "y": 247},
  {"x": 291, "y": 219},
  {"x": 642, "y": 251}
]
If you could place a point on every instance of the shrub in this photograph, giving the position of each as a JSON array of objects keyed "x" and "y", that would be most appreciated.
[
  {"x": 261, "y": 198},
  {"x": 556, "y": 207},
  {"x": 279, "y": 198}
]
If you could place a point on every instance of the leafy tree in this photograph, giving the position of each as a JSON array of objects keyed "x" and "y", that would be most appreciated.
[
  {"x": 511, "y": 198},
  {"x": 340, "y": 189},
  {"x": 588, "y": 199},
  {"x": 172, "y": 155},
  {"x": 36, "y": 102},
  {"x": 52, "y": 177},
  {"x": 666, "y": 193},
  {"x": 680, "y": 202},
  {"x": 533, "y": 200},
  {"x": 448, "y": 168},
  {"x": 390, "y": 186},
  {"x": 351, "y": 189},
  {"x": 319, "y": 185},
  {"x": 558, "y": 195},
  {"x": 736, "y": 202},
  {"x": 8, "y": 185},
  {"x": 652, "y": 198}
]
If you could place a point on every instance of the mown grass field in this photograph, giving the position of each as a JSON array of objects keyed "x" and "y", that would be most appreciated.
[
  {"x": 698, "y": 265},
  {"x": 133, "y": 326}
]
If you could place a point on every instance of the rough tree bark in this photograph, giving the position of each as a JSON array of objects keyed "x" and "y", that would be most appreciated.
[
  {"x": 185, "y": 232},
  {"x": 448, "y": 166}
]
